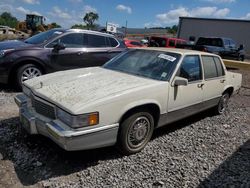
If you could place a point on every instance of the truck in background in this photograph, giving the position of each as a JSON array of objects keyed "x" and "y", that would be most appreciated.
[
  {"x": 167, "y": 42},
  {"x": 224, "y": 47}
]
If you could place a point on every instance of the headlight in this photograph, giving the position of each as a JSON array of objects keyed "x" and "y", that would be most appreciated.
[
  {"x": 26, "y": 91},
  {"x": 2, "y": 53},
  {"x": 78, "y": 121}
]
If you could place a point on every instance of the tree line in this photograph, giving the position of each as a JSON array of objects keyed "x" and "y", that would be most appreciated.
[
  {"x": 89, "y": 19},
  {"x": 6, "y": 19}
]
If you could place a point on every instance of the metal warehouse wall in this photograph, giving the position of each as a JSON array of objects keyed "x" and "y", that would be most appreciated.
[{"x": 238, "y": 30}]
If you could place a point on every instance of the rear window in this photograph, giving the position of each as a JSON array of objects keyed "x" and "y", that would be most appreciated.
[
  {"x": 158, "y": 42},
  {"x": 96, "y": 41},
  {"x": 171, "y": 43},
  {"x": 220, "y": 69},
  {"x": 210, "y": 42},
  {"x": 212, "y": 67},
  {"x": 113, "y": 42}
]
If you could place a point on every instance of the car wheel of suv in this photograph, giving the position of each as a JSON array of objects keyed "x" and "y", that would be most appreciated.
[
  {"x": 27, "y": 72},
  {"x": 135, "y": 132},
  {"x": 223, "y": 103},
  {"x": 241, "y": 58}
]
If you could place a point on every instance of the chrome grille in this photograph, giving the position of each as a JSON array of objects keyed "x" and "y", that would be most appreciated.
[{"x": 43, "y": 108}]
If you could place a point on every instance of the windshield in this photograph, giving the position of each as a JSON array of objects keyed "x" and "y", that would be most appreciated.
[
  {"x": 44, "y": 36},
  {"x": 152, "y": 64}
]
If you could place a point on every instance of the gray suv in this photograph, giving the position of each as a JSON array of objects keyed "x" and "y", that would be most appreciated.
[{"x": 55, "y": 50}]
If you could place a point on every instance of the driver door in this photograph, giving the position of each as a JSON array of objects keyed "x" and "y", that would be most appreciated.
[
  {"x": 186, "y": 100},
  {"x": 73, "y": 56}
]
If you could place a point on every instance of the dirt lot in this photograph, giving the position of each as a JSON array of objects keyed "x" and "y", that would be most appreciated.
[{"x": 201, "y": 151}]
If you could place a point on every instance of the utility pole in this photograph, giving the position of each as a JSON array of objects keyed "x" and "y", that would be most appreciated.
[{"x": 126, "y": 28}]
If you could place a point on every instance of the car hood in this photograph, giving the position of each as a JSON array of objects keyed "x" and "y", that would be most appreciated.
[
  {"x": 69, "y": 89},
  {"x": 12, "y": 44}
]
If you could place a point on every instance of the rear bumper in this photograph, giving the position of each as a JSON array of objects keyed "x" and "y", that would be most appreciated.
[{"x": 67, "y": 138}]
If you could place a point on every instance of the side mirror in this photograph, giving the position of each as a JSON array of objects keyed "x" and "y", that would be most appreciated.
[
  {"x": 241, "y": 47},
  {"x": 59, "y": 46},
  {"x": 179, "y": 81}
]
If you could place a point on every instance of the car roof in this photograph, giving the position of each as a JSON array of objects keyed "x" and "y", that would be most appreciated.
[
  {"x": 176, "y": 50},
  {"x": 89, "y": 31},
  {"x": 214, "y": 37}
]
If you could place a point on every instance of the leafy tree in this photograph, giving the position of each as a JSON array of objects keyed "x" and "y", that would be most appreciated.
[
  {"x": 55, "y": 25},
  {"x": 7, "y": 19},
  {"x": 90, "y": 18},
  {"x": 156, "y": 28},
  {"x": 78, "y": 26},
  {"x": 173, "y": 29}
]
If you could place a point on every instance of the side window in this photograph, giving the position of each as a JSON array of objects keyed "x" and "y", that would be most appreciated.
[
  {"x": 73, "y": 40},
  {"x": 171, "y": 43},
  {"x": 232, "y": 44},
  {"x": 210, "y": 67},
  {"x": 113, "y": 42},
  {"x": 190, "y": 68},
  {"x": 163, "y": 43},
  {"x": 227, "y": 43},
  {"x": 96, "y": 41},
  {"x": 219, "y": 67}
]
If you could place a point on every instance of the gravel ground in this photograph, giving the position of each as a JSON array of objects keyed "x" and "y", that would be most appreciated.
[{"x": 201, "y": 151}]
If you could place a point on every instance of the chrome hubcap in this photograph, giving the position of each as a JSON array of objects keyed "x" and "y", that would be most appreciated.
[
  {"x": 223, "y": 103},
  {"x": 138, "y": 132},
  {"x": 29, "y": 73}
]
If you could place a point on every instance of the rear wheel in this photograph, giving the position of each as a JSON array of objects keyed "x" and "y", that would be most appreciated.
[
  {"x": 27, "y": 72},
  {"x": 223, "y": 103},
  {"x": 135, "y": 132}
]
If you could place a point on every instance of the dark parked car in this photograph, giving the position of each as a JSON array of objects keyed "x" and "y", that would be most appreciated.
[
  {"x": 133, "y": 43},
  {"x": 54, "y": 50}
]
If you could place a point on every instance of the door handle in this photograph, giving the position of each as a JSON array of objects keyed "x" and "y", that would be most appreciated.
[
  {"x": 222, "y": 81},
  {"x": 200, "y": 85}
]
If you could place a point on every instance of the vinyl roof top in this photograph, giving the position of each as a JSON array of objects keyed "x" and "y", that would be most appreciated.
[{"x": 177, "y": 50}]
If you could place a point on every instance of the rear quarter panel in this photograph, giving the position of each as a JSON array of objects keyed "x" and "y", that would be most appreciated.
[{"x": 233, "y": 80}]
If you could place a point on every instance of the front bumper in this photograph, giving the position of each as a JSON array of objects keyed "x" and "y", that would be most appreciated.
[{"x": 66, "y": 137}]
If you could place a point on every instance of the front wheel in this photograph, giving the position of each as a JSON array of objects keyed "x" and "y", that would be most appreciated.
[
  {"x": 27, "y": 72},
  {"x": 223, "y": 103},
  {"x": 135, "y": 132}
]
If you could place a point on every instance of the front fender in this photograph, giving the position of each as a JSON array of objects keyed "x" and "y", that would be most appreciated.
[{"x": 138, "y": 104}]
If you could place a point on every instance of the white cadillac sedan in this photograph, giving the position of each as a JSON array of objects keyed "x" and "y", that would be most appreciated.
[{"x": 126, "y": 99}]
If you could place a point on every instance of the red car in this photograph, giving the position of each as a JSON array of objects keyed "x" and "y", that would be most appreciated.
[
  {"x": 166, "y": 42},
  {"x": 133, "y": 43}
]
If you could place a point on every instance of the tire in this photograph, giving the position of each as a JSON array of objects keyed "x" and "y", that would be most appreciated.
[
  {"x": 135, "y": 132},
  {"x": 223, "y": 103},
  {"x": 27, "y": 72},
  {"x": 242, "y": 58}
]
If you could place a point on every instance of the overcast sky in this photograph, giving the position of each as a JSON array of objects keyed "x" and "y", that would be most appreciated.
[{"x": 138, "y": 13}]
